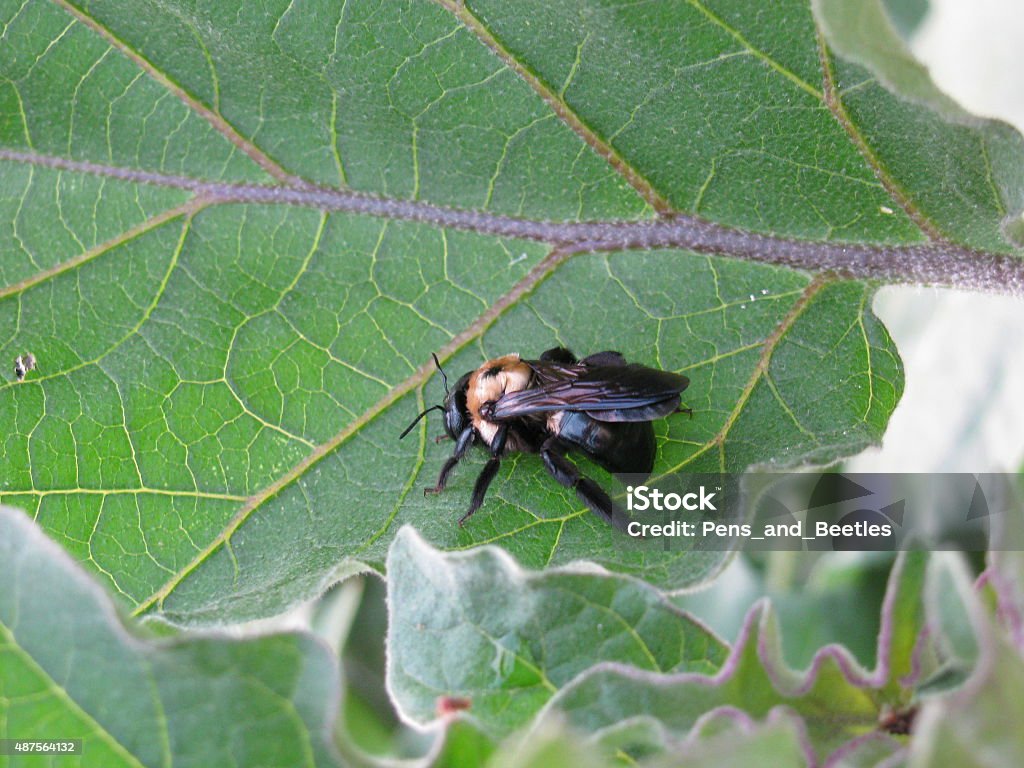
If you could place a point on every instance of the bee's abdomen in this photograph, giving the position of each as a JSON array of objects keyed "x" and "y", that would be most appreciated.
[{"x": 626, "y": 447}]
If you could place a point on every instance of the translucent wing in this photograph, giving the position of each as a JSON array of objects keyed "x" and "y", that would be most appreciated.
[{"x": 624, "y": 392}]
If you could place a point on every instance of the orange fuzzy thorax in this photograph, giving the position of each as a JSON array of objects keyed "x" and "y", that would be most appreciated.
[{"x": 489, "y": 382}]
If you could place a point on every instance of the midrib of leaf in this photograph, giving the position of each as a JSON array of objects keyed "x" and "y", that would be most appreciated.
[
  {"x": 828, "y": 97},
  {"x": 216, "y": 120},
  {"x": 942, "y": 263},
  {"x": 7, "y": 636}
]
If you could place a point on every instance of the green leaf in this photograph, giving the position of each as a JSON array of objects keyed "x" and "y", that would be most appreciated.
[
  {"x": 804, "y": 599},
  {"x": 736, "y": 742},
  {"x": 839, "y": 702},
  {"x": 949, "y": 611},
  {"x": 979, "y": 724},
  {"x": 463, "y": 745},
  {"x": 232, "y": 233},
  {"x": 71, "y": 669},
  {"x": 475, "y": 626},
  {"x": 1005, "y": 573},
  {"x": 550, "y": 747}
]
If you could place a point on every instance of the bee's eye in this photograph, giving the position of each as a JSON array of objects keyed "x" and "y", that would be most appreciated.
[{"x": 453, "y": 422}]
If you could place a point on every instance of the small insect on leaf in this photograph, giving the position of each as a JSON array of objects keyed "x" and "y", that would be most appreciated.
[{"x": 23, "y": 364}]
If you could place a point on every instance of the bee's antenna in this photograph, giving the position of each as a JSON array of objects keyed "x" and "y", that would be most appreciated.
[
  {"x": 417, "y": 419},
  {"x": 444, "y": 378}
]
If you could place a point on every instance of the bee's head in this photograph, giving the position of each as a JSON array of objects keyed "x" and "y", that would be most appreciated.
[{"x": 455, "y": 408}]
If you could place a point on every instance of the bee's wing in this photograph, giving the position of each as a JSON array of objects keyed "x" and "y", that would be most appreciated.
[{"x": 605, "y": 392}]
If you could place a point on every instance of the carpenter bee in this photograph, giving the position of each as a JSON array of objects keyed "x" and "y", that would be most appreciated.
[{"x": 600, "y": 405}]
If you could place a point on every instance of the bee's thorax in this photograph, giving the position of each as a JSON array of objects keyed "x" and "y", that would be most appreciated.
[{"x": 489, "y": 382}]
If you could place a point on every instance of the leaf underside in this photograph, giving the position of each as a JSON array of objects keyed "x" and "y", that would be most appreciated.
[{"x": 212, "y": 424}]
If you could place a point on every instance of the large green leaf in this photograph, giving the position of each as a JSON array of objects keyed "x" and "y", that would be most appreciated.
[
  {"x": 778, "y": 743},
  {"x": 233, "y": 233},
  {"x": 978, "y": 724},
  {"x": 839, "y": 701},
  {"x": 71, "y": 669},
  {"x": 477, "y": 627}
]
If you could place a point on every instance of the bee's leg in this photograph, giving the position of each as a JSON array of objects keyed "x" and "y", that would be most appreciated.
[
  {"x": 558, "y": 355},
  {"x": 566, "y": 473},
  {"x": 487, "y": 474},
  {"x": 609, "y": 358},
  {"x": 461, "y": 446}
]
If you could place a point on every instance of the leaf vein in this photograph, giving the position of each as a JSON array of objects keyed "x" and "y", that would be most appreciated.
[
  {"x": 560, "y": 107},
  {"x": 216, "y": 120},
  {"x": 835, "y": 105}
]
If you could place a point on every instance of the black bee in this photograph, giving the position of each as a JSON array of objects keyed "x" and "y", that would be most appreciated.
[{"x": 600, "y": 405}]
